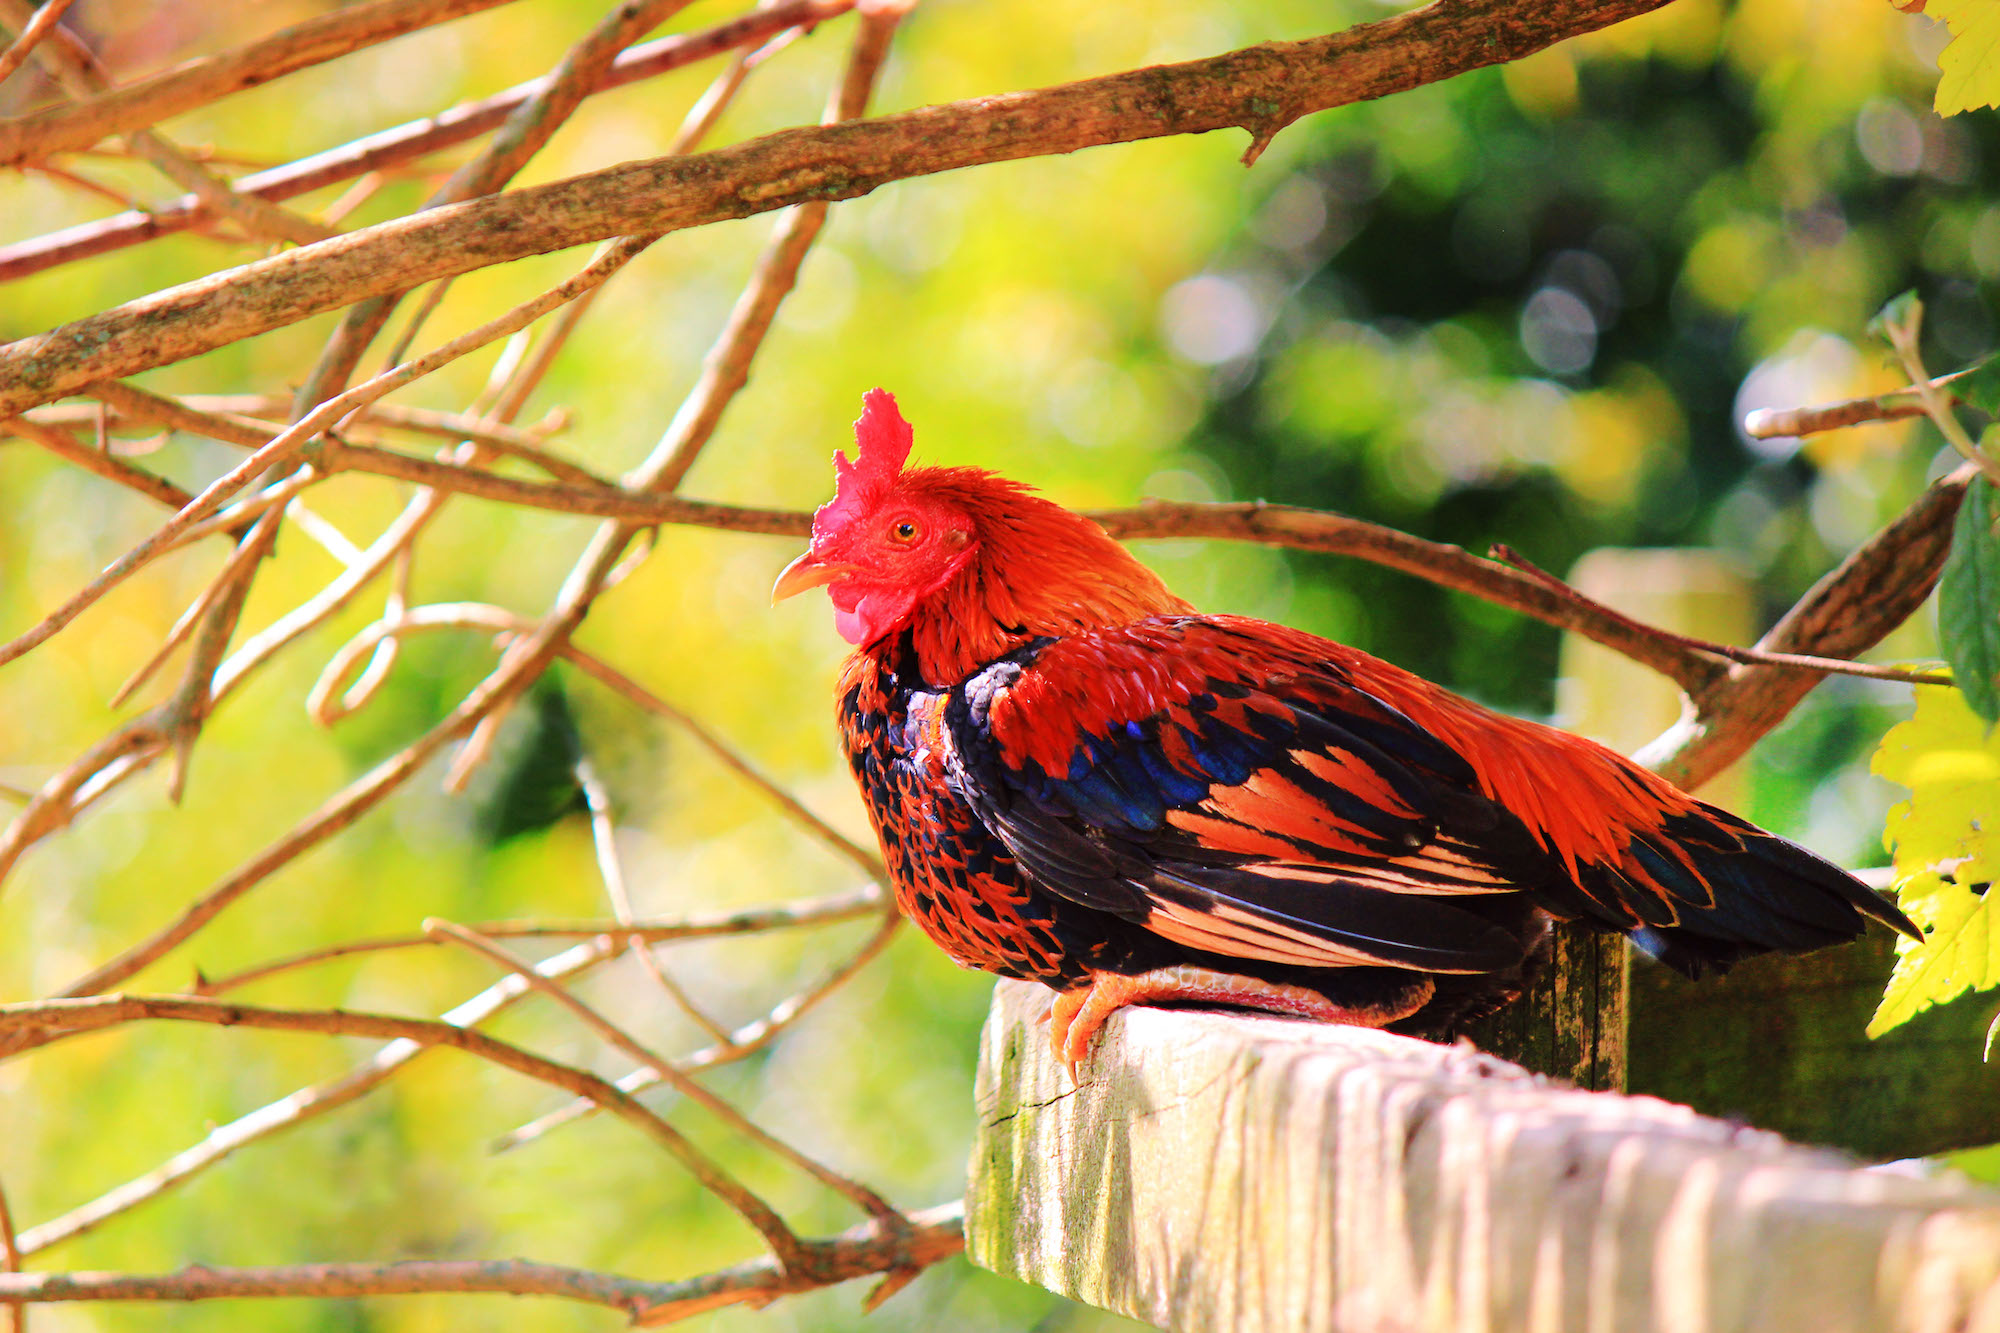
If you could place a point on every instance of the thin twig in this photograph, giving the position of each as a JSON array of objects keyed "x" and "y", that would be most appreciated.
[
  {"x": 934, "y": 1234},
  {"x": 598, "y": 669},
  {"x": 611, "y": 870},
  {"x": 295, "y": 440},
  {"x": 866, "y": 1199},
  {"x": 39, "y": 26},
  {"x": 745, "y": 1041},
  {"x": 201, "y": 81},
  {"x": 10, "y": 1252},
  {"x": 391, "y": 149},
  {"x": 1748, "y": 656},
  {"x": 72, "y": 450},
  {"x": 38, "y": 1023},
  {"x": 1875, "y": 589},
  {"x": 305, "y": 1104},
  {"x": 245, "y": 420},
  {"x": 244, "y": 555},
  {"x": 1937, "y": 404},
  {"x": 82, "y": 80},
  {"x": 525, "y": 132},
  {"x": 1767, "y": 423},
  {"x": 725, "y": 370},
  {"x": 326, "y": 704},
  {"x": 811, "y": 912}
]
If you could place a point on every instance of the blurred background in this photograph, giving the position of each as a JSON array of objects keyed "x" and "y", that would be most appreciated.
[{"x": 1529, "y": 305}]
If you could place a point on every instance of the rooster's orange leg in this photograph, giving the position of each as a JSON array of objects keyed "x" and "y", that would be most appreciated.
[{"x": 1077, "y": 1014}]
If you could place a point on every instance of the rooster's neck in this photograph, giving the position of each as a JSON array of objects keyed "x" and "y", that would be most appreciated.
[{"x": 1055, "y": 575}]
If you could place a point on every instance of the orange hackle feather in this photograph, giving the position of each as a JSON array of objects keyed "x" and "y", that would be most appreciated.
[{"x": 1078, "y": 779}]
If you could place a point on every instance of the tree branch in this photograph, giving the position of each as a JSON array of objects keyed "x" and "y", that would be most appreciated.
[
  {"x": 934, "y": 1234},
  {"x": 401, "y": 144},
  {"x": 37, "y": 1023},
  {"x": 1878, "y": 587},
  {"x": 1260, "y": 88},
  {"x": 199, "y": 82}
]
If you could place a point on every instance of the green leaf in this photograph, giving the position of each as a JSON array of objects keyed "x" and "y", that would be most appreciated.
[
  {"x": 1899, "y": 311},
  {"x": 1969, "y": 600},
  {"x": 1968, "y": 68},
  {"x": 1980, "y": 386},
  {"x": 1992, "y": 1031}
]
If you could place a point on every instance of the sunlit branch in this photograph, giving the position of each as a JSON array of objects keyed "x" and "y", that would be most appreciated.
[
  {"x": 866, "y": 1199},
  {"x": 746, "y": 1040},
  {"x": 203, "y": 80},
  {"x": 815, "y": 911},
  {"x": 396, "y": 147},
  {"x": 38, "y": 1023},
  {"x": 611, "y": 871},
  {"x": 1261, "y": 88},
  {"x": 41, "y": 25},
  {"x": 934, "y": 1234}
]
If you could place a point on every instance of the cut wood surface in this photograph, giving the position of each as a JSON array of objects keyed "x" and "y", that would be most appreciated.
[{"x": 1227, "y": 1172}]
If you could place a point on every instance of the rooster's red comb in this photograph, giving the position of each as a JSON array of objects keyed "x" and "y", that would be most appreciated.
[{"x": 882, "y": 444}]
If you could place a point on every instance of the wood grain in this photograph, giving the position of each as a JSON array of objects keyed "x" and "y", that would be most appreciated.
[{"x": 1222, "y": 1172}]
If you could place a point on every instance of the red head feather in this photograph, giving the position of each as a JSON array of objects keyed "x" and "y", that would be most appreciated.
[{"x": 882, "y": 445}]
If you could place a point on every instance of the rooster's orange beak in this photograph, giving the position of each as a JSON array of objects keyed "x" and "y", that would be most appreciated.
[{"x": 808, "y": 571}]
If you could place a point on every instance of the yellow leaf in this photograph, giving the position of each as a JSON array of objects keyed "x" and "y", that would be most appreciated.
[
  {"x": 1969, "y": 67},
  {"x": 1946, "y": 854},
  {"x": 1951, "y": 765},
  {"x": 1960, "y": 952}
]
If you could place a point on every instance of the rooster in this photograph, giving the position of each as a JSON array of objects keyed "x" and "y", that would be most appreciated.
[{"x": 1079, "y": 780}]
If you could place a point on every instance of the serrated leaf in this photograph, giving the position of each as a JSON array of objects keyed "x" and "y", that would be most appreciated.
[
  {"x": 1960, "y": 952},
  {"x": 1969, "y": 66},
  {"x": 1980, "y": 386},
  {"x": 1947, "y": 852},
  {"x": 1969, "y": 600}
]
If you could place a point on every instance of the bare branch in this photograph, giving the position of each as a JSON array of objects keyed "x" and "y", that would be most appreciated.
[
  {"x": 305, "y": 1104},
  {"x": 746, "y": 1040},
  {"x": 1728, "y": 652},
  {"x": 80, "y": 77},
  {"x": 868, "y": 1200},
  {"x": 41, "y": 25},
  {"x": 10, "y": 1255},
  {"x": 725, "y": 370},
  {"x": 1769, "y": 423},
  {"x": 611, "y": 870},
  {"x": 293, "y": 442},
  {"x": 72, "y": 450},
  {"x": 526, "y": 131},
  {"x": 934, "y": 1234},
  {"x": 393, "y": 147},
  {"x": 1873, "y": 591},
  {"x": 199, "y": 82},
  {"x": 811, "y": 912},
  {"x": 38, "y": 1023},
  {"x": 795, "y": 166}
]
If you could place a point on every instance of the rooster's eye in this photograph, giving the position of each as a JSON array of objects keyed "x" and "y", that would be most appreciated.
[{"x": 905, "y": 531}]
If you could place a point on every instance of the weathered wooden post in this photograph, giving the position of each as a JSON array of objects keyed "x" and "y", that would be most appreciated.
[{"x": 1242, "y": 1174}]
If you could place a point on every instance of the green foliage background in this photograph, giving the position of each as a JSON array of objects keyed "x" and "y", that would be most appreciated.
[{"x": 1527, "y": 305}]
